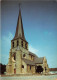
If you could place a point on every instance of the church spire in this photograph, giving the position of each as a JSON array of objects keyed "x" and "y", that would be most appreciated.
[{"x": 19, "y": 28}]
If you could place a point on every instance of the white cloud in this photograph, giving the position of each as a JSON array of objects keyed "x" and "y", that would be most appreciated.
[
  {"x": 8, "y": 38},
  {"x": 5, "y": 47},
  {"x": 32, "y": 49},
  {"x": 10, "y": 35}
]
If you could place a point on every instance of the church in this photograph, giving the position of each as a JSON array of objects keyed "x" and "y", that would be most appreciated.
[{"x": 21, "y": 60}]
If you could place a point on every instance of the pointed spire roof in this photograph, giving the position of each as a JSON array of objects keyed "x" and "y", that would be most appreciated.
[{"x": 19, "y": 28}]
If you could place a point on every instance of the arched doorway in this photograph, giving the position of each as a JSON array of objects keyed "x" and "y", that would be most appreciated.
[{"x": 39, "y": 69}]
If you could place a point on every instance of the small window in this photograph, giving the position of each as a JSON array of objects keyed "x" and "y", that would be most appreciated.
[
  {"x": 17, "y": 42},
  {"x": 22, "y": 66},
  {"x": 22, "y": 43},
  {"x": 30, "y": 67},
  {"x": 23, "y": 55},
  {"x": 13, "y": 44}
]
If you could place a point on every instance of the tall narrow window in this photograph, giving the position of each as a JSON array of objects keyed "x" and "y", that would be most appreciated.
[
  {"x": 17, "y": 42},
  {"x": 14, "y": 56},
  {"x": 23, "y": 55},
  {"x": 22, "y": 43},
  {"x": 13, "y": 44},
  {"x": 26, "y": 45},
  {"x": 30, "y": 67},
  {"x": 45, "y": 69}
]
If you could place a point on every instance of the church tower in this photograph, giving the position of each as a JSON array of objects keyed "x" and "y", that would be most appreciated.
[
  {"x": 19, "y": 38},
  {"x": 19, "y": 47}
]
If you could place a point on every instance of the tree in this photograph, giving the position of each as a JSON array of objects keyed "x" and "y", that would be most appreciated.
[
  {"x": 39, "y": 69},
  {"x": 2, "y": 68}
]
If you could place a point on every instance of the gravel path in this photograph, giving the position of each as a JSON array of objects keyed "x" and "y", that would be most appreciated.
[{"x": 43, "y": 77}]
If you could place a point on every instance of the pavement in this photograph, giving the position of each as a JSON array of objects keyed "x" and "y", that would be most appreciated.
[{"x": 32, "y": 77}]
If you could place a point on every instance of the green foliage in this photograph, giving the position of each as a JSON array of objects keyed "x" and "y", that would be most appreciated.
[{"x": 39, "y": 69}]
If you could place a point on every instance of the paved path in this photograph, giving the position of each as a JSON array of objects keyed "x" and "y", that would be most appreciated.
[{"x": 43, "y": 77}]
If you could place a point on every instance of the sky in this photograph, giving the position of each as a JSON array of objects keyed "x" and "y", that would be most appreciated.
[{"x": 40, "y": 28}]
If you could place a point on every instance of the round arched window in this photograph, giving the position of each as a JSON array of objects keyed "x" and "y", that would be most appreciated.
[
  {"x": 24, "y": 55},
  {"x": 13, "y": 44}
]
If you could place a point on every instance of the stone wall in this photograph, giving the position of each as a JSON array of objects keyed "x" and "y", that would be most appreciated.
[
  {"x": 45, "y": 66},
  {"x": 18, "y": 62},
  {"x": 31, "y": 57},
  {"x": 31, "y": 70},
  {"x": 8, "y": 69},
  {"x": 19, "y": 43},
  {"x": 24, "y": 70}
]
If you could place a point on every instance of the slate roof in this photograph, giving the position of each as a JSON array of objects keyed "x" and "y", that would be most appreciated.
[
  {"x": 28, "y": 62},
  {"x": 37, "y": 60},
  {"x": 30, "y": 53}
]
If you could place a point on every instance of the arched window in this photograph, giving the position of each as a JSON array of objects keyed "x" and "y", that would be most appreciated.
[
  {"x": 22, "y": 43},
  {"x": 30, "y": 67},
  {"x": 45, "y": 69},
  {"x": 26, "y": 45},
  {"x": 17, "y": 42},
  {"x": 22, "y": 66},
  {"x": 24, "y": 55},
  {"x": 14, "y": 56},
  {"x": 13, "y": 44}
]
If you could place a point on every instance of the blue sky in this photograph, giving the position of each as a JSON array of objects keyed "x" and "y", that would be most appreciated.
[{"x": 40, "y": 28}]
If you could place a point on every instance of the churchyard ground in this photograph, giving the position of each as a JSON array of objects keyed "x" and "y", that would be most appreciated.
[{"x": 30, "y": 77}]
